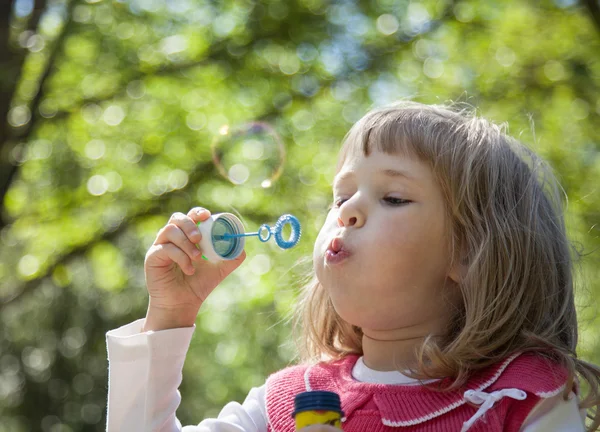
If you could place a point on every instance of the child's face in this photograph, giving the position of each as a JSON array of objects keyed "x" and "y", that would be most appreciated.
[{"x": 397, "y": 261}]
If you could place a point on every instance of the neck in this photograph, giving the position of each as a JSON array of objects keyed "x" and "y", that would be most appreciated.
[
  {"x": 397, "y": 349},
  {"x": 390, "y": 354}
]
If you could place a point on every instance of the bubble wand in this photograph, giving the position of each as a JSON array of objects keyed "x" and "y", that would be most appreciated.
[{"x": 223, "y": 236}]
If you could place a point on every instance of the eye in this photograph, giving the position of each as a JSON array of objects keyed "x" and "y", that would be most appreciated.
[
  {"x": 392, "y": 201},
  {"x": 396, "y": 201},
  {"x": 338, "y": 202}
]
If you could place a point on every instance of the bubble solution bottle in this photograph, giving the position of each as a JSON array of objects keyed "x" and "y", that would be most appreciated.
[{"x": 317, "y": 407}]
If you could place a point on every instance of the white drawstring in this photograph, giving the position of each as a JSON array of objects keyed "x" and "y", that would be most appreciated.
[{"x": 487, "y": 400}]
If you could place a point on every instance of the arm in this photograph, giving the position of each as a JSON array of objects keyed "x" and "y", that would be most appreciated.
[
  {"x": 146, "y": 357},
  {"x": 144, "y": 374},
  {"x": 143, "y": 377}
]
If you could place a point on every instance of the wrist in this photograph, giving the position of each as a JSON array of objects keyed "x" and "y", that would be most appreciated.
[{"x": 160, "y": 318}]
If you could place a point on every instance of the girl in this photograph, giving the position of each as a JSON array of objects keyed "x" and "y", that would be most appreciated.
[{"x": 442, "y": 296}]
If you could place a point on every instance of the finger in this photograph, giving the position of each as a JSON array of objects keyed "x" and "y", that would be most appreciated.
[
  {"x": 160, "y": 255},
  {"x": 174, "y": 234},
  {"x": 199, "y": 214},
  {"x": 186, "y": 225}
]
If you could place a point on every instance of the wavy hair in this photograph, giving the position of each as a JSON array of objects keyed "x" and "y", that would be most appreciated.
[{"x": 507, "y": 233}]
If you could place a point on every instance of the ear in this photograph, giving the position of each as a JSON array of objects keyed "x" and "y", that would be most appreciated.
[
  {"x": 459, "y": 268},
  {"x": 455, "y": 274}
]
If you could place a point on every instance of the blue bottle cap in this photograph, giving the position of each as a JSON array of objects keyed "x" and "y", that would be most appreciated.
[{"x": 317, "y": 400}]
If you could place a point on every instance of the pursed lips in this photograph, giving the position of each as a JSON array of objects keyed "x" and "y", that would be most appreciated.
[
  {"x": 336, "y": 245},
  {"x": 337, "y": 252}
]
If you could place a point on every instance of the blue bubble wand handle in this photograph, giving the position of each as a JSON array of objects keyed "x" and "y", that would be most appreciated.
[{"x": 223, "y": 236}]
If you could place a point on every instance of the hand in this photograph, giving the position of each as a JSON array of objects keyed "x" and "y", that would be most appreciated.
[{"x": 178, "y": 279}]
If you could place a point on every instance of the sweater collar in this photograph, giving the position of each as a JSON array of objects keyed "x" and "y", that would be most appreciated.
[
  {"x": 361, "y": 372},
  {"x": 399, "y": 405}
]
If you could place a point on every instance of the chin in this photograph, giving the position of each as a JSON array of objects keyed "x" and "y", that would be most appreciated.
[{"x": 346, "y": 312}]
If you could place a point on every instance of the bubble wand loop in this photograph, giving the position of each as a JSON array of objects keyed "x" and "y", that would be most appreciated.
[{"x": 223, "y": 236}]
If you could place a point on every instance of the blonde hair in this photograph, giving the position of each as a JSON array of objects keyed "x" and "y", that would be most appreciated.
[{"x": 507, "y": 233}]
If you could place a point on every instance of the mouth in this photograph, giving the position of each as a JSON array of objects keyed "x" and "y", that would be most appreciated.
[{"x": 336, "y": 252}]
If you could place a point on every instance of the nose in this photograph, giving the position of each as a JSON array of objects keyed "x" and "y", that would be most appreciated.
[{"x": 351, "y": 215}]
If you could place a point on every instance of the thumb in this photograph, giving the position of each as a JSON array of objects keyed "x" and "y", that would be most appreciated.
[{"x": 228, "y": 266}]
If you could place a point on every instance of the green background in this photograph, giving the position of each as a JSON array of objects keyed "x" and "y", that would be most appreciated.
[{"x": 111, "y": 108}]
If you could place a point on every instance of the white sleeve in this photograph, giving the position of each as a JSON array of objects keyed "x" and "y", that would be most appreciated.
[
  {"x": 145, "y": 371},
  {"x": 556, "y": 414}
]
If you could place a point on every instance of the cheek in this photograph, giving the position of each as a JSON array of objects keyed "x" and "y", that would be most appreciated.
[
  {"x": 320, "y": 240},
  {"x": 326, "y": 231},
  {"x": 392, "y": 242},
  {"x": 320, "y": 244},
  {"x": 412, "y": 242}
]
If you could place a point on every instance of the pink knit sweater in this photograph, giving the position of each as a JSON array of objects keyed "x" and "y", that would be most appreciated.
[{"x": 498, "y": 398}]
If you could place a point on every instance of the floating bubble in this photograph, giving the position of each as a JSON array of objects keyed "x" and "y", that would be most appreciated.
[{"x": 252, "y": 154}]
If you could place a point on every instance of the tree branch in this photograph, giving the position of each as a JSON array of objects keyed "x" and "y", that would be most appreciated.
[
  {"x": 164, "y": 70},
  {"x": 212, "y": 56},
  {"x": 12, "y": 59},
  {"x": 593, "y": 7},
  {"x": 7, "y": 169}
]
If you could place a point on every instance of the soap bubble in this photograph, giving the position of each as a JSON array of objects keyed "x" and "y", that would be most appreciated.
[{"x": 251, "y": 154}]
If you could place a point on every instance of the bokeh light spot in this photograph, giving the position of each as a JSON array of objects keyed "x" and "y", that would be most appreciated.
[
  {"x": 91, "y": 413},
  {"x": 505, "y": 56},
  {"x": 261, "y": 264},
  {"x": 195, "y": 120},
  {"x": 113, "y": 115},
  {"x": 433, "y": 68},
  {"x": 418, "y": 17},
  {"x": 36, "y": 359},
  {"x": 97, "y": 185},
  {"x": 91, "y": 113},
  {"x": 239, "y": 173},
  {"x": 28, "y": 265},
  {"x": 95, "y": 149},
  {"x": 19, "y": 116},
  {"x": 253, "y": 149},
  {"x": 387, "y": 24},
  {"x": 83, "y": 383},
  {"x": 580, "y": 109},
  {"x": 303, "y": 120},
  {"x": 136, "y": 89},
  {"x": 132, "y": 152},
  {"x": 173, "y": 44},
  {"x": 177, "y": 179},
  {"x": 464, "y": 12},
  {"x": 554, "y": 70},
  {"x": 115, "y": 181}
]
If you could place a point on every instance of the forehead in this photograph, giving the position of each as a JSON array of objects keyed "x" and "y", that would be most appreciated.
[
  {"x": 386, "y": 132},
  {"x": 397, "y": 166}
]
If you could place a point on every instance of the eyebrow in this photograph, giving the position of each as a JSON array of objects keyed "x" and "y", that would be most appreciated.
[{"x": 387, "y": 172}]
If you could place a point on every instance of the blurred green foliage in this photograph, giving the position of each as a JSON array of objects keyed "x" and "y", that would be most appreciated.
[{"x": 110, "y": 127}]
